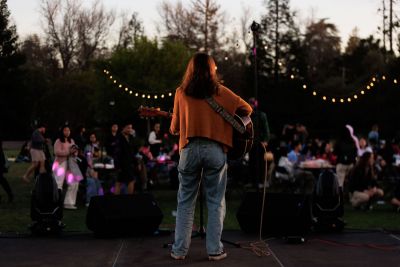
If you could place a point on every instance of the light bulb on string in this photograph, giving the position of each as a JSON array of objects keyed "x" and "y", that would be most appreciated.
[
  {"x": 155, "y": 97},
  {"x": 333, "y": 100},
  {"x": 324, "y": 98},
  {"x": 120, "y": 86},
  {"x": 162, "y": 96},
  {"x": 349, "y": 99},
  {"x": 374, "y": 79},
  {"x": 355, "y": 96},
  {"x": 143, "y": 96},
  {"x": 341, "y": 100},
  {"x": 126, "y": 89},
  {"x": 148, "y": 96},
  {"x": 372, "y": 84},
  {"x": 368, "y": 87},
  {"x": 136, "y": 94},
  {"x": 169, "y": 94},
  {"x": 362, "y": 92},
  {"x": 292, "y": 76},
  {"x": 314, "y": 93},
  {"x": 111, "y": 77},
  {"x": 395, "y": 81},
  {"x": 115, "y": 81},
  {"x": 130, "y": 92},
  {"x": 304, "y": 86},
  {"x": 383, "y": 77}
]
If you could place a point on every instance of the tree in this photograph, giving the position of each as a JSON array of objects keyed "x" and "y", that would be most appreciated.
[
  {"x": 150, "y": 67},
  {"x": 13, "y": 107},
  {"x": 9, "y": 56},
  {"x": 322, "y": 46},
  {"x": 279, "y": 37},
  {"x": 130, "y": 31},
  {"x": 40, "y": 56},
  {"x": 199, "y": 27},
  {"x": 74, "y": 31}
]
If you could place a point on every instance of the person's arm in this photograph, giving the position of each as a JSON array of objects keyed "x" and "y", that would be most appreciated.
[
  {"x": 153, "y": 139},
  {"x": 174, "y": 128},
  {"x": 355, "y": 139}
]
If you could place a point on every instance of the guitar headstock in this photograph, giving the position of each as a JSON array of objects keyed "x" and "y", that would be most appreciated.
[{"x": 152, "y": 112}]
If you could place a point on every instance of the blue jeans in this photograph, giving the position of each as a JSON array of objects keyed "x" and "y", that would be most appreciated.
[{"x": 206, "y": 155}]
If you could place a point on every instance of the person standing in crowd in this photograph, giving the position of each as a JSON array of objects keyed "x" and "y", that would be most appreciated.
[
  {"x": 261, "y": 136},
  {"x": 346, "y": 155},
  {"x": 111, "y": 140},
  {"x": 37, "y": 152},
  {"x": 3, "y": 169},
  {"x": 204, "y": 138},
  {"x": 92, "y": 153},
  {"x": 362, "y": 182},
  {"x": 373, "y": 136},
  {"x": 155, "y": 140},
  {"x": 80, "y": 137},
  {"x": 64, "y": 148},
  {"x": 125, "y": 160}
]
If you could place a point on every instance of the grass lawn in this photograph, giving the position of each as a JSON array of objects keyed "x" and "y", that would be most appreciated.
[{"x": 15, "y": 217}]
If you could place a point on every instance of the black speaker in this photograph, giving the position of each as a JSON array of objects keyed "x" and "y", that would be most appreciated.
[
  {"x": 284, "y": 214},
  {"x": 123, "y": 215}
]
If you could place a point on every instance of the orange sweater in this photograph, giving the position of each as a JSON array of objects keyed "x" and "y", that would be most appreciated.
[{"x": 195, "y": 118}]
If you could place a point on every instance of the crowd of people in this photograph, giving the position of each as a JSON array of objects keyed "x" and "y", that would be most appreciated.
[
  {"x": 80, "y": 162},
  {"x": 363, "y": 164}
]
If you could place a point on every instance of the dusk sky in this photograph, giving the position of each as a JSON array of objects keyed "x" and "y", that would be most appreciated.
[{"x": 346, "y": 14}]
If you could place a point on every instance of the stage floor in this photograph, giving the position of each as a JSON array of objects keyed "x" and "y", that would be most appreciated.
[{"x": 350, "y": 248}]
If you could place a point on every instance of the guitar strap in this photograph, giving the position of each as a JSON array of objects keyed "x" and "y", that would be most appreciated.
[{"x": 225, "y": 115}]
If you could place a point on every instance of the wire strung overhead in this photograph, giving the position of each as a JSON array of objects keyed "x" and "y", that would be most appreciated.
[
  {"x": 355, "y": 95},
  {"x": 136, "y": 92}
]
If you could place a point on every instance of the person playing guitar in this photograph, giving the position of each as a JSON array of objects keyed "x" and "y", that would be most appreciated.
[{"x": 204, "y": 139}]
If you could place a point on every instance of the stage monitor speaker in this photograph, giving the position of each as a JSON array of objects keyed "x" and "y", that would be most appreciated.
[
  {"x": 284, "y": 214},
  {"x": 132, "y": 215}
]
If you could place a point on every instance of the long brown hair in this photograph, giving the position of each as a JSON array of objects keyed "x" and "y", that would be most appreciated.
[{"x": 200, "y": 79}]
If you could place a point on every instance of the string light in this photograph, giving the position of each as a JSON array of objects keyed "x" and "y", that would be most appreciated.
[
  {"x": 137, "y": 93},
  {"x": 373, "y": 83}
]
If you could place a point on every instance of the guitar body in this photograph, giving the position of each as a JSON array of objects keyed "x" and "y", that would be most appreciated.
[{"x": 241, "y": 143}]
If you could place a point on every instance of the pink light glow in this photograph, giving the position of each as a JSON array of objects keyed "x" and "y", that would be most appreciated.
[
  {"x": 60, "y": 171},
  {"x": 55, "y": 165},
  {"x": 70, "y": 178}
]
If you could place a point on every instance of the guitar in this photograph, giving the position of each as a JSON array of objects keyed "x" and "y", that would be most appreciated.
[{"x": 241, "y": 142}]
